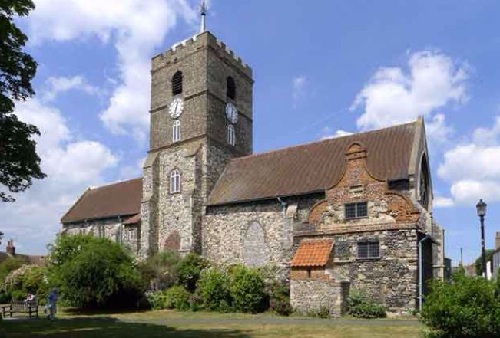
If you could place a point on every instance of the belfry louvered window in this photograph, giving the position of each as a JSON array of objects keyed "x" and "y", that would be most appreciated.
[
  {"x": 175, "y": 181},
  {"x": 177, "y": 83},
  {"x": 231, "y": 88}
]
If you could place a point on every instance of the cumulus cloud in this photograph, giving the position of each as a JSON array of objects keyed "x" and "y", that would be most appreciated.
[
  {"x": 134, "y": 27},
  {"x": 473, "y": 168},
  {"x": 328, "y": 134},
  {"x": 71, "y": 165},
  {"x": 442, "y": 202},
  {"x": 298, "y": 85},
  {"x": 58, "y": 85},
  {"x": 393, "y": 95}
]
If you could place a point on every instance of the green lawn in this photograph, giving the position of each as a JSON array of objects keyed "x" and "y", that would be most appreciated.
[{"x": 201, "y": 324}]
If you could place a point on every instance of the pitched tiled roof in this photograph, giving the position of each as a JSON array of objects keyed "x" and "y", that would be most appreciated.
[
  {"x": 118, "y": 199},
  {"x": 313, "y": 167},
  {"x": 133, "y": 219},
  {"x": 313, "y": 253}
]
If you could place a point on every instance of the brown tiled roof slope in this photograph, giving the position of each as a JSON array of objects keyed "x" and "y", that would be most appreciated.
[
  {"x": 313, "y": 167},
  {"x": 313, "y": 253},
  {"x": 118, "y": 199}
]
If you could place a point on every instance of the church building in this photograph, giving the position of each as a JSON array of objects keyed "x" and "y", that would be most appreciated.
[{"x": 348, "y": 213}]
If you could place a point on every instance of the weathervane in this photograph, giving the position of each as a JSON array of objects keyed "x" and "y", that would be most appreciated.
[{"x": 203, "y": 13}]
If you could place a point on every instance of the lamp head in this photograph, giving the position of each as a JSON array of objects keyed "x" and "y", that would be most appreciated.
[{"x": 481, "y": 208}]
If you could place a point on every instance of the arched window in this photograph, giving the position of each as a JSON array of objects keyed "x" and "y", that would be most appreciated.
[
  {"x": 177, "y": 83},
  {"x": 424, "y": 184},
  {"x": 231, "y": 88},
  {"x": 176, "y": 131},
  {"x": 231, "y": 137},
  {"x": 175, "y": 181}
]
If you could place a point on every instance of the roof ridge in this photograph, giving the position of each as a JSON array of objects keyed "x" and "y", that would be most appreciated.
[
  {"x": 321, "y": 141},
  {"x": 114, "y": 183}
]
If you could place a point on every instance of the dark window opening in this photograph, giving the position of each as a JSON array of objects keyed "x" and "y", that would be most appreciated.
[
  {"x": 177, "y": 83},
  {"x": 342, "y": 249},
  {"x": 231, "y": 88},
  {"x": 424, "y": 184},
  {"x": 356, "y": 210},
  {"x": 368, "y": 249},
  {"x": 308, "y": 272}
]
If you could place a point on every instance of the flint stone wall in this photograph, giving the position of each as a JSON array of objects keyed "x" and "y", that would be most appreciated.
[{"x": 311, "y": 296}]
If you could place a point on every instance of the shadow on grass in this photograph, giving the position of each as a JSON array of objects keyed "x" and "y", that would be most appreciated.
[{"x": 105, "y": 327}]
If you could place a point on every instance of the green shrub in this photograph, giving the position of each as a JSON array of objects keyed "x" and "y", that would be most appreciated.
[
  {"x": 160, "y": 271},
  {"x": 279, "y": 295},
  {"x": 361, "y": 306},
  {"x": 247, "y": 289},
  {"x": 18, "y": 295},
  {"x": 156, "y": 299},
  {"x": 94, "y": 273},
  {"x": 465, "y": 307},
  {"x": 189, "y": 271},
  {"x": 213, "y": 289},
  {"x": 35, "y": 281},
  {"x": 177, "y": 298},
  {"x": 5, "y": 297}
]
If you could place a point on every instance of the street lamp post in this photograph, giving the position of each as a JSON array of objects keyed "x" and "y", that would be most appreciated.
[{"x": 481, "y": 212}]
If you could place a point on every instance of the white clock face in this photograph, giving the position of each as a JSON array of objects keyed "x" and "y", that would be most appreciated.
[
  {"x": 176, "y": 107},
  {"x": 231, "y": 113}
]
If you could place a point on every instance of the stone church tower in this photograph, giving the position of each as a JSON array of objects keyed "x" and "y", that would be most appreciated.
[{"x": 201, "y": 116}]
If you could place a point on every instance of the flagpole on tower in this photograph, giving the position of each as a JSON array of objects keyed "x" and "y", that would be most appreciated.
[{"x": 203, "y": 13}]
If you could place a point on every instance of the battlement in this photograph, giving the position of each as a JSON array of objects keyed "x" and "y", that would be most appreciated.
[{"x": 190, "y": 45}]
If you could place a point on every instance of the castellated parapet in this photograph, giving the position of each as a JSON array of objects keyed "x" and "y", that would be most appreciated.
[{"x": 192, "y": 45}]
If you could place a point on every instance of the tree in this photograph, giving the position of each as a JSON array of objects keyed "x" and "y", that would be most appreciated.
[
  {"x": 94, "y": 272},
  {"x": 478, "y": 263},
  {"x": 19, "y": 162}
]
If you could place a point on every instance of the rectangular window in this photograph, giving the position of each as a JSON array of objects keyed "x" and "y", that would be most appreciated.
[
  {"x": 131, "y": 235},
  {"x": 368, "y": 249},
  {"x": 356, "y": 210},
  {"x": 176, "y": 131}
]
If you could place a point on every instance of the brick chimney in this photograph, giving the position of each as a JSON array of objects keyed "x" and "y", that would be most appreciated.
[
  {"x": 11, "y": 249},
  {"x": 497, "y": 240}
]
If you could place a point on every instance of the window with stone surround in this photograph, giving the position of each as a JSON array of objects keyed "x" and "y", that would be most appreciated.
[
  {"x": 231, "y": 88},
  {"x": 175, "y": 181},
  {"x": 356, "y": 210},
  {"x": 368, "y": 249},
  {"x": 231, "y": 136},
  {"x": 176, "y": 131},
  {"x": 177, "y": 83}
]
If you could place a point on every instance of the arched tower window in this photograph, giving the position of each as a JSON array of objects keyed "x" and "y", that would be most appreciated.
[
  {"x": 231, "y": 137},
  {"x": 176, "y": 131},
  {"x": 231, "y": 88},
  {"x": 175, "y": 181},
  {"x": 177, "y": 83},
  {"x": 424, "y": 184}
]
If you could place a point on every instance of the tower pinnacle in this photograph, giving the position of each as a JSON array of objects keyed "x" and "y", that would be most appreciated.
[{"x": 203, "y": 13}]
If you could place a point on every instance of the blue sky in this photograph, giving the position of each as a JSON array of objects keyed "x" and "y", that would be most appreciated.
[{"x": 322, "y": 68}]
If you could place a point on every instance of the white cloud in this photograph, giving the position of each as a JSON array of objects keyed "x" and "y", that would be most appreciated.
[
  {"x": 58, "y": 85},
  {"x": 442, "y": 202},
  {"x": 71, "y": 165},
  {"x": 298, "y": 85},
  {"x": 134, "y": 27},
  {"x": 328, "y": 134},
  {"x": 393, "y": 96},
  {"x": 473, "y": 170}
]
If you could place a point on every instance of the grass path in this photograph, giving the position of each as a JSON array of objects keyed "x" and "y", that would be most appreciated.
[{"x": 200, "y": 324}]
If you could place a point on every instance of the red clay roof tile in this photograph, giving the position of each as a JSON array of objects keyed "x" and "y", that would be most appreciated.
[{"x": 313, "y": 253}]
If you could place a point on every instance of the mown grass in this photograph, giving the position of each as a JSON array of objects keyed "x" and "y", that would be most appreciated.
[{"x": 201, "y": 324}]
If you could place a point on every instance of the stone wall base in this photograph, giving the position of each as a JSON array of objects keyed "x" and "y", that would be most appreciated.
[{"x": 309, "y": 296}]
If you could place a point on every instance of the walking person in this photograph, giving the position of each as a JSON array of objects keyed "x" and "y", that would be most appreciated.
[{"x": 52, "y": 304}]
